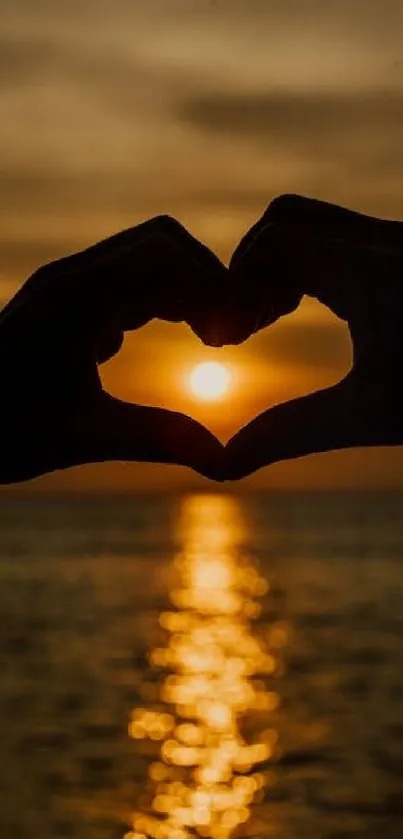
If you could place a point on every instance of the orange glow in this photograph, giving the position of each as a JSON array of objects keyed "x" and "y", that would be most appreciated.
[{"x": 205, "y": 778}]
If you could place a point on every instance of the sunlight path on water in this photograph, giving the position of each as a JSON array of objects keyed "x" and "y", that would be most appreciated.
[{"x": 207, "y": 772}]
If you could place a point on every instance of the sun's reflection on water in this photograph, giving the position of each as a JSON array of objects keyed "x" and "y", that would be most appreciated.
[{"x": 208, "y": 773}]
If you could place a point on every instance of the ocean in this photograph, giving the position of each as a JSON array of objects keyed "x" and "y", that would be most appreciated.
[{"x": 208, "y": 665}]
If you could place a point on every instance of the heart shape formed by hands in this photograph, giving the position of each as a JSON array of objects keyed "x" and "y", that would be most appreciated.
[{"x": 71, "y": 315}]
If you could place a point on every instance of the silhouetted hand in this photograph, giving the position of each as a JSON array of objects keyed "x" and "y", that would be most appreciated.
[
  {"x": 71, "y": 315},
  {"x": 354, "y": 265}
]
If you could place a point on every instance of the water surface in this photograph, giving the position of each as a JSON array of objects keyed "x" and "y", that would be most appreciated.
[{"x": 205, "y": 665}]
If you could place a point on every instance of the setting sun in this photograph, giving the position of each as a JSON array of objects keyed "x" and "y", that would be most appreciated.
[{"x": 210, "y": 380}]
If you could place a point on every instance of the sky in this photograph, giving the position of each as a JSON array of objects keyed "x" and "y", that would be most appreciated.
[{"x": 113, "y": 112}]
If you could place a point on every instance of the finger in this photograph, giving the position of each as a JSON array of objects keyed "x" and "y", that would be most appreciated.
[
  {"x": 266, "y": 280},
  {"x": 156, "y": 269},
  {"x": 325, "y": 219},
  {"x": 335, "y": 221},
  {"x": 180, "y": 279},
  {"x": 128, "y": 432},
  {"x": 159, "y": 271},
  {"x": 282, "y": 264},
  {"x": 173, "y": 278},
  {"x": 319, "y": 422},
  {"x": 125, "y": 240}
]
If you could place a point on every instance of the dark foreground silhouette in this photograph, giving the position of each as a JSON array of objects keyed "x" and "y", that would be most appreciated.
[{"x": 71, "y": 315}]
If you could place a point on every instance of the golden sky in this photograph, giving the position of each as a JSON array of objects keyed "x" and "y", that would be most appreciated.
[{"x": 112, "y": 112}]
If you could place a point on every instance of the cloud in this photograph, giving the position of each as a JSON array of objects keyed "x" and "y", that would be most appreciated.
[
  {"x": 359, "y": 130},
  {"x": 115, "y": 80}
]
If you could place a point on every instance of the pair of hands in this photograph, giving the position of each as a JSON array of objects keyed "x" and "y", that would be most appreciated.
[{"x": 71, "y": 315}]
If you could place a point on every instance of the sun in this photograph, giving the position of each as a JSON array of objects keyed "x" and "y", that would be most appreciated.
[{"x": 210, "y": 380}]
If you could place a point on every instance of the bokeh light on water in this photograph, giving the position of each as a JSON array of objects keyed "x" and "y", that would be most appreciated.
[
  {"x": 206, "y": 774},
  {"x": 91, "y": 643}
]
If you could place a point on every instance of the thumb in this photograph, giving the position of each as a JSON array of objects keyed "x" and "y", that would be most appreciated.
[
  {"x": 129, "y": 432},
  {"x": 319, "y": 422}
]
